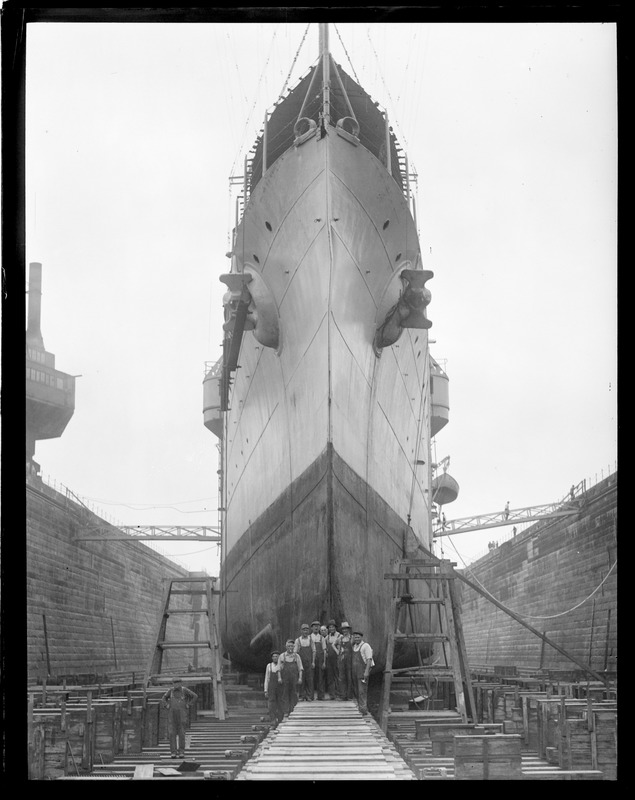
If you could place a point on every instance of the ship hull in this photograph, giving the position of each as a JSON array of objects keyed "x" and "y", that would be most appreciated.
[{"x": 326, "y": 445}]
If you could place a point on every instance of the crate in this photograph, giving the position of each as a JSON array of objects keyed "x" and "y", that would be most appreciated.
[{"x": 488, "y": 758}]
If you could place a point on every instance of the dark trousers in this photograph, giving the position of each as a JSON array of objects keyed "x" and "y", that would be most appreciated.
[
  {"x": 306, "y": 689},
  {"x": 360, "y": 689},
  {"x": 274, "y": 700},
  {"x": 332, "y": 675},
  {"x": 346, "y": 679},
  {"x": 319, "y": 677},
  {"x": 289, "y": 688},
  {"x": 177, "y": 718}
]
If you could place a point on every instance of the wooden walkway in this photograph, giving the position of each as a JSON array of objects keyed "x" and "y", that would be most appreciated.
[{"x": 327, "y": 740}]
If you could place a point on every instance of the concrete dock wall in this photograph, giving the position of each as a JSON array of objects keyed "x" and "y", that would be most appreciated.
[
  {"x": 549, "y": 575},
  {"x": 94, "y": 607}
]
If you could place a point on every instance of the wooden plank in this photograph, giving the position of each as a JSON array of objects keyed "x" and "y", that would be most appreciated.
[{"x": 143, "y": 772}]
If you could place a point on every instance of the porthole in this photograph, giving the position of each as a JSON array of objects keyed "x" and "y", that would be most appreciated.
[
  {"x": 386, "y": 224},
  {"x": 397, "y": 259},
  {"x": 268, "y": 226},
  {"x": 256, "y": 259}
]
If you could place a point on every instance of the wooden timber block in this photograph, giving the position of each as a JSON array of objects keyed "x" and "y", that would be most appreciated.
[
  {"x": 143, "y": 772},
  {"x": 486, "y": 758},
  {"x": 423, "y": 728}
]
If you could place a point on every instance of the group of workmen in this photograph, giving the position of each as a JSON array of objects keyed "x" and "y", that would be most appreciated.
[{"x": 322, "y": 663}]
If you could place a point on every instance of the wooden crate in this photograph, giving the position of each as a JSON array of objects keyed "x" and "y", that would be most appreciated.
[
  {"x": 150, "y": 735},
  {"x": 488, "y": 758},
  {"x": 131, "y": 730},
  {"x": 442, "y": 737}
]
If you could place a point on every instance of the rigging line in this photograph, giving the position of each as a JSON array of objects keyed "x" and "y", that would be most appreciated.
[
  {"x": 535, "y": 616},
  {"x": 195, "y": 552},
  {"x": 256, "y": 98},
  {"x": 347, "y": 55},
  {"x": 419, "y": 73},
  {"x": 393, "y": 122},
  {"x": 140, "y": 506},
  {"x": 286, "y": 83}
]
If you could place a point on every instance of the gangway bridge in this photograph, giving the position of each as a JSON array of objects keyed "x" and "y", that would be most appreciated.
[
  {"x": 172, "y": 533},
  {"x": 569, "y": 506},
  {"x": 513, "y": 516}
]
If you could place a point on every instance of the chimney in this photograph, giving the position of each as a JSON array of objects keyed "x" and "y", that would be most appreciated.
[{"x": 33, "y": 332}]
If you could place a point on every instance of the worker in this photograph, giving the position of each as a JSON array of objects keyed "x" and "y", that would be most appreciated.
[
  {"x": 362, "y": 663},
  {"x": 305, "y": 648},
  {"x": 507, "y": 510},
  {"x": 290, "y": 677},
  {"x": 273, "y": 689},
  {"x": 318, "y": 659},
  {"x": 178, "y": 700},
  {"x": 345, "y": 663},
  {"x": 332, "y": 654},
  {"x": 572, "y": 492}
]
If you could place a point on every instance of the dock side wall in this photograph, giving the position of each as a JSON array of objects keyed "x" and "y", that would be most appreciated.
[
  {"x": 93, "y": 607},
  {"x": 549, "y": 575}
]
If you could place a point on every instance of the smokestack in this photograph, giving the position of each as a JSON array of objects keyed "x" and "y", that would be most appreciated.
[{"x": 33, "y": 332}]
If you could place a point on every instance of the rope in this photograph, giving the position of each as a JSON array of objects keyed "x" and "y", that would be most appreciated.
[
  {"x": 286, "y": 83},
  {"x": 535, "y": 616},
  {"x": 256, "y": 98},
  {"x": 347, "y": 55}
]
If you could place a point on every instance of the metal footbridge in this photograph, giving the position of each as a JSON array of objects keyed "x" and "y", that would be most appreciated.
[{"x": 513, "y": 516}]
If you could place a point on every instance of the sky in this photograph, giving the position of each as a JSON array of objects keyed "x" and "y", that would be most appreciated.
[{"x": 133, "y": 132}]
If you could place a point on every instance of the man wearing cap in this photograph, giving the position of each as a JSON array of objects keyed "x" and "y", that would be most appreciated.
[
  {"x": 332, "y": 652},
  {"x": 305, "y": 648},
  {"x": 289, "y": 677},
  {"x": 273, "y": 689},
  {"x": 345, "y": 663},
  {"x": 362, "y": 662},
  {"x": 319, "y": 659},
  {"x": 177, "y": 700}
]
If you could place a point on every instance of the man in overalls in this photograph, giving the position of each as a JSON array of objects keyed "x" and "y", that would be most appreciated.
[
  {"x": 362, "y": 662},
  {"x": 319, "y": 660},
  {"x": 332, "y": 654},
  {"x": 178, "y": 699},
  {"x": 305, "y": 648},
  {"x": 290, "y": 677},
  {"x": 273, "y": 689},
  {"x": 345, "y": 662}
]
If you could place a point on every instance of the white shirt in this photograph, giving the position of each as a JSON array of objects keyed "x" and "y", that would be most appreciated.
[
  {"x": 271, "y": 673},
  {"x": 365, "y": 651}
]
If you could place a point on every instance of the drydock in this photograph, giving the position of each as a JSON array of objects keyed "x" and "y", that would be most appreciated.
[{"x": 327, "y": 217}]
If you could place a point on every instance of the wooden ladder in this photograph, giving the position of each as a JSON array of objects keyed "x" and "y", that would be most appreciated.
[
  {"x": 198, "y": 587},
  {"x": 439, "y": 573}
]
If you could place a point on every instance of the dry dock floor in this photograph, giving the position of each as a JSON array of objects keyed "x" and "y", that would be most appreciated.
[{"x": 326, "y": 740}]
